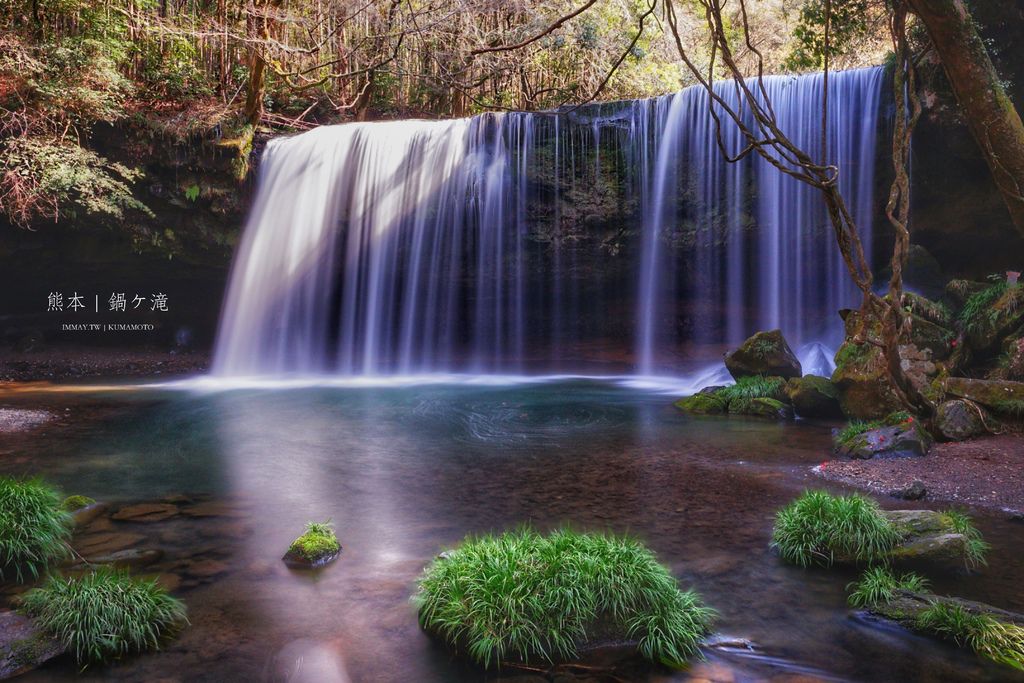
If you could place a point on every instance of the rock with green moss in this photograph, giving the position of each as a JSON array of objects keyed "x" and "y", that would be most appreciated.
[
  {"x": 862, "y": 379},
  {"x": 76, "y": 502},
  {"x": 1002, "y": 396},
  {"x": 765, "y": 353},
  {"x": 761, "y": 407},
  {"x": 23, "y": 645},
  {"x": 881, "y": 439},
  {"x": 992, "y": 314},
  {"x": 960, "y": 419},
  {"x": 316, "y": 547},
  {"x": 814, "y": 396},
  {"x": 925, "y": 334},
  {"x": 702, "y": 404}
]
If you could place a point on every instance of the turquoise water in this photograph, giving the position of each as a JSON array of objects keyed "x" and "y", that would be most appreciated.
[{"x": 405, "y": 471}]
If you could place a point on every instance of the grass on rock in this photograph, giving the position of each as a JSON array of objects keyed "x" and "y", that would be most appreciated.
[
  {"x": 818, "y": 527},
  {"x": 753, "y": 387},
  {"x": 34, "y": 529},
  {"x": 997, "y": 640},
  {"x": 318, "y": 541},
  {"x": 962, "y": 524},
  {"x": 523, "y": 596},
  {"x": 105, "y": 614},
  {"x": 849, "y": 434},
  {"x": 878, "y": 586}
]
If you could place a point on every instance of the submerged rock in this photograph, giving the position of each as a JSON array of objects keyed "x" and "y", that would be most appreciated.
[
  {"x": 23, "y": 646},
  {"x": 901, "y": 440},
  {"x": 83, "y": 515},
  {"x": 960, "y": 419},
  {"x": 131, "y": 558},
  {"x": 146, "y": 512},
  {"x": 814, "y": 396},
  {"x": 702, "y": 404},
  {"x": 765, "y": 353}
]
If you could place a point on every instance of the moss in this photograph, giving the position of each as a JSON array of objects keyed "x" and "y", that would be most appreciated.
[
  {"x": 318, "y": 542},
  {"x": 703, "y": 404},
  {"x": 76, "y": 502}
]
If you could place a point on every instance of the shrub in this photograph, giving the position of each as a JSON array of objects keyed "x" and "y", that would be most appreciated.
[
  {"x": 525, "y": 596},
  {"x": 33, "y": 528},
  {"x": 817, "y": 527},
  {"x": 317, "y": 542},
  {"x": 878, "y": 586},
  {"x": 997, "y": 640},
  {"x": 105, "y": 614}
]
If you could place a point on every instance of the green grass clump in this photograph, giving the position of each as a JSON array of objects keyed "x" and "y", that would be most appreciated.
[
  {"x": 849, "y": 434},
  {"x": 980, "y": 309},
  {"x": 76, "y": 502},
  {"x": 524, "y": 596},
  {"x": 105, "y": 614},
  {"x": 818, "y": 527},
  {"x": 1010, "y": 407},
  {"x": 878, "y": 586},
  {"x": 962, "y": 524},
  {"x": 997, "y": 640},
  {"x": 33, "y": 528},
  {"x": 318, "y": 541},
  {"x": 753, "y": 387}
]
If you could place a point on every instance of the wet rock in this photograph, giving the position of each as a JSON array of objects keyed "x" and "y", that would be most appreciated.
[
  {"x": 23, "y": 646},
  {"x": 862, "y": 379},
  {"x": 765, "y": 353},
  {"x": 85, "y": 515},
  {"x": 915, "y": 491},
  {"x": 907, "y": 606},
  {"x": 999, "y": 395},
  {"x": 929, "y": 536},
  {"x": 205, "y": 569},
  {"x": 761, "y": 407},
  {"x": 146, "y": 512},
  {"x": 212, "y": 509},
  {"x": 960, "y": 419},
  {"x": 704, "y": 403},
  {"x": 814, "y": 396},
  {"x": 902, "y": 440},
  {"x": 131, "y": 558},
  {"x": 105, "y": 543}
]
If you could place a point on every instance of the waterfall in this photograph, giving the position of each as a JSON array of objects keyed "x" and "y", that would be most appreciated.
[{"x": 533, "y": 242}]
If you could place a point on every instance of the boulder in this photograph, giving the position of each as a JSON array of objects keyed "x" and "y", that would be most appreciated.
[
  {"x": 814, "y": 396},
  {"x": 959, "y": 419},
  {"x": 907, "y": 606},
  {"x": 761, "y": 407},
  {"x": 929, "y": 536},
  {"x": 84, "y": 515},
  {"x": 862, "y": 379},
  {"x": 931, "y": 311},
  {"x": 928, "y": 335},
  {"x": 765, "y": 353},
  {"x": 23, "y": 646},
  {"x": 902, "y": 440},
  {"x": 999, "y": 395},
  {"x": 915, "y": 491}
]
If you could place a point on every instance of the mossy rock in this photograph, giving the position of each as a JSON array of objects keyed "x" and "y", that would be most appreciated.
[
  {"x": 23, "y": 645},
  {"x": 761, "y": 407},
  {"x": 862, "y": 379},
  {"x": 1001, "y": 396},
  {"x": 76, "y": 502},
  {"x": 899, "y": 440},
  {"x": 959, "y": 291},
  {"x": 702, "y": 404},
  {"x": 317, "y": 547},
  {"x": 960, "y": 419},
  {"x": 928, "y": 335},
  {"x": 989, "y": 326},
  {"x": 765, "y": 353},
  {"x": 932, "y": 311},
  {"x": 814, "y": 396}
]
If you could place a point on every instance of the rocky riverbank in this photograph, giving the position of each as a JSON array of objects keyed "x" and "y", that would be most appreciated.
[{"x": 986, "y": 472}]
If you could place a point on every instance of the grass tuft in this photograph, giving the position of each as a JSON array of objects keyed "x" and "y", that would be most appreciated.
[
  {"x": 818, "y": 527},
  {"x": 849, "y": 434},
  {"x": 524, "y": 596},
  {"x": 999, "y": 641},
  {"x": 878, "y": 586},
  {"x": 318, "y": 541},
  {"x": 105, "y": 614},
  {"x": 962, "y": 524},
  {"x": 33, "y": 528},
  {"x": 753, "y": 387}
]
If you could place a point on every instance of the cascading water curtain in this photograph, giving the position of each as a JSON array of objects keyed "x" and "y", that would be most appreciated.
[{"x": 481, "y": 245}]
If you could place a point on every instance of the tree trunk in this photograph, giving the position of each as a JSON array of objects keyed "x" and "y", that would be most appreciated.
[{"x": 991, "y": 116}]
